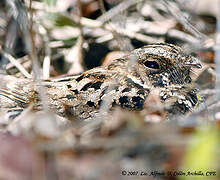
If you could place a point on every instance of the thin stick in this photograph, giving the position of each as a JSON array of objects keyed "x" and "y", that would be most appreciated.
[
  {"x": 46, "y": 67},
  {"x": 120, "y": 40},
  {"x": 35, "y": 63},
  {"x": 131, "y": 34},
  {"x": 17, "y": 65},
  {"x": 79, "y": 45},
  {"x": 80, "y": 32},
  {"x": 47, "y": 57},
  {"x": 176, "y": 12},
  {"x": 118, "y": 9}
]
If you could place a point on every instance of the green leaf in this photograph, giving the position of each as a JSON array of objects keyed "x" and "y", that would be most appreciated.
[
  {"x": 61, "y": 20},
  {"x": 50, "y": 2},
  {"x": 201, "y": 156}
]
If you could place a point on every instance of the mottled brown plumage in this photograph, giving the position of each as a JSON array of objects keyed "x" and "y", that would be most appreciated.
[{"x": 126, "y": 82}]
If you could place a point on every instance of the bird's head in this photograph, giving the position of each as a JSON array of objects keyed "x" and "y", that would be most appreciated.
[
  {"x": 163, "y": 66},
  {"x": 166, "y": 64},
  {"x": 168, "y": 67}
]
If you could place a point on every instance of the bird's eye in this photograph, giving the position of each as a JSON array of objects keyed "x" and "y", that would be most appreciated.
[{"x": 152, "y": 64}]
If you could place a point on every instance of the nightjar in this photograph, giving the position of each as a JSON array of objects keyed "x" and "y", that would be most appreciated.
[{"x": 126, "y": 82}]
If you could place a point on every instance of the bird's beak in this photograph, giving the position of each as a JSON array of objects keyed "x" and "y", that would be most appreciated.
[{"x": 194, "y": 62}]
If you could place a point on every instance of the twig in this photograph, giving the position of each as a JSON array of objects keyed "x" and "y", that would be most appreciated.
[
  {"x": 118, "y": 9},
  {"x": 23, "y": 61},
  {"x": 131, "y": 34},
  {"x": 77, "y": 62},
  {"x": 81, "y": 40},
  {"x": 46, "y": 67},
  {"x": 47, "y": 58},
  {"x": 182, "y": 36},
  {"x": 34, "y": 59},
  {"x": 17, "y": 64},
  {"x": 120, "y": 40},
  {"x": 175, "y": 11}
]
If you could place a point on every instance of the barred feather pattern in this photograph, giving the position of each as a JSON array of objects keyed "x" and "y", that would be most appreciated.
[{"x": 126, "y": 82}]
